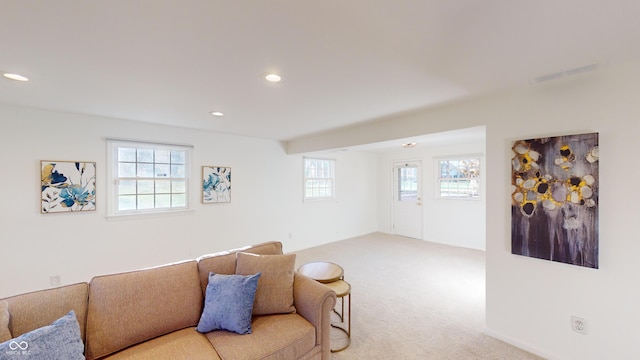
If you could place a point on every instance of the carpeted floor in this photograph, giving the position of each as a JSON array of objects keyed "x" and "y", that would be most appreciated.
[{"x": 412, "y": 299}]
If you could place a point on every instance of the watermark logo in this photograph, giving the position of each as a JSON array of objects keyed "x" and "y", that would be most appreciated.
[
  {"x": 18, "y": 348},
  {"x": 22, "y": 345}
]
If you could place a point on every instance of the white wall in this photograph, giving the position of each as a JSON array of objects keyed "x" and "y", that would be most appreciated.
[
  {"x": 266, "y": 201},
  {"x": 529, "y": 301},
  {"x": 452, "y": 222},
  {"x": 351, "y": 213}
]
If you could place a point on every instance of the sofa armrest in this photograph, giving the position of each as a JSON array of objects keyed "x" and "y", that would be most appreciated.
[{"x": 314, "y": 302}]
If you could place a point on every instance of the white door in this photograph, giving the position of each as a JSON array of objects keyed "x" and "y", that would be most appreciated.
[{"x": 407, "y": 199}]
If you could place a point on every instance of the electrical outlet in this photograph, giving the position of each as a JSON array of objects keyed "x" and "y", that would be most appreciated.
[
  {"x": 54, "y": 280},
  {"x": 578, "y": 325}
]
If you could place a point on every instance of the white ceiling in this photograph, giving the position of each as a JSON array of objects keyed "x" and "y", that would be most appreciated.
[{"x": 342, "y": 62}]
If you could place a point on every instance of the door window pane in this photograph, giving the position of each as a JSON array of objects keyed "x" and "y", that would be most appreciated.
[{"x": 407, "y": 184}]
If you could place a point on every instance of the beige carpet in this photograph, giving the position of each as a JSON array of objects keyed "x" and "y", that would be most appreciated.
[{"x": 412, "y": 299}]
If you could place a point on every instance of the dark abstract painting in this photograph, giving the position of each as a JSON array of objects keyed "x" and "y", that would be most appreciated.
[{"x": 554, "y": 211}]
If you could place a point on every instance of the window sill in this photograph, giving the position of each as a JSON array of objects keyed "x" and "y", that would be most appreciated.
[
  {"x": 151, "y": 215},
  {"x": 460, "y": 198},
  {"x": 316, "y": 200}
]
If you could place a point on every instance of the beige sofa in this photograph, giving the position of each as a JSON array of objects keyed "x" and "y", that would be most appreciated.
[{"x": 153, "y": 314}]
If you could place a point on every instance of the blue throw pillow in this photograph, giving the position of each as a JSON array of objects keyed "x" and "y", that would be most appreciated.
[
  {"x": 59, "y": 341},
  {"x": 228, "y": 303}
]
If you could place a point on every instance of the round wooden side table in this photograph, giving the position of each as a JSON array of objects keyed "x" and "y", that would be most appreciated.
[
  {"x": 322, "y": 271},
  {"x": 332, "y": 275}
]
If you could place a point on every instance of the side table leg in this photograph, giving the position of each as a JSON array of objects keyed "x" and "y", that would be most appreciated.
[{"x": 347, "y": 331}]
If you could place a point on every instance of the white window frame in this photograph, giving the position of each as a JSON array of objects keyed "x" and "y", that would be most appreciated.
[
  {"x": 114, "y": 180},
  {"x": 475, "y": 185},
  {"x": 307, "y": 190}
]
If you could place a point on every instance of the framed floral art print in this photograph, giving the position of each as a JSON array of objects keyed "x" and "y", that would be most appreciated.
[
  {"x": 216, "y": 184},
  {"x": 67, "y": 186}
]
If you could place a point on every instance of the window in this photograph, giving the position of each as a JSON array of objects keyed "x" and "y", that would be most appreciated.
[
  {"x": 408, "y": 183},
  {"x": 459, "y": 178},
  {"x": 147, "y": 177},
  {"x": 319, "y": 178}
]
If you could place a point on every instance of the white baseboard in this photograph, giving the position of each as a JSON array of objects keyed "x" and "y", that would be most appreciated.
[{"x": 519, "y": 344}]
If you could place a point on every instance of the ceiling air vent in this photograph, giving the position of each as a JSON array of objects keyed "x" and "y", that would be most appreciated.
[{"x": 565, "y": 73}]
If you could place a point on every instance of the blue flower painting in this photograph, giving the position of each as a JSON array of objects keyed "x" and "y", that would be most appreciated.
[
  {"x": 216, "y": 184},
  {"x": 67, "y": 186}
]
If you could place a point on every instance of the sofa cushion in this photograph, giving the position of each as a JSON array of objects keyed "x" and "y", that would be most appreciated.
[
  {"x": 60, "y": 340},
  {"x": 5, "y": 334},
  {"x": 185, "y": 344},
  {"x": 225, "y": 262},
  {"x": 128, "y": 308},
  {"x": 283, "y": 336},
  {"x": 36, "y": 309},
  {"x": 275, "y": 287},
  {"x": 228, "y": 303}
]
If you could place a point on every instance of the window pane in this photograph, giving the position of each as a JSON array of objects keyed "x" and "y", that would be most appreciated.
[
  {"x": 177, "y": 171},
  {"x": 178, "y": 186},
  {"x": 145, "y": 170},
  {"x": 179, "y": 200},
  {"x": 145, "y": 155},
  {"x": 163, "y": 186},
  {"x": 329, "y": 187},
  {"x": 322, "y": 188},
  {"x": 163, "y": 170},
  {"x": 475, "y": 187},
  {"x": 163, "y": 156},
  {"x": 443, "y": 169},
  {"x": 145, "y": 187},
  {"x": 308, "y": 192},
  {"x": 322, "y": 169},
  {"x": 127, "y": 170},
  {"x": 453, "y": 188},
  {"x": 163, "y": 201},
  {"x": 127, "y": 187},
  {"x": 444, "y": 188},
  {"x": 127, "y": 202},
  {"x": 178, "y": 157},
  {"x": 146, "y": 201},
  {"x": 127, "y": 154},
  {"x": 408, "y": 184}
]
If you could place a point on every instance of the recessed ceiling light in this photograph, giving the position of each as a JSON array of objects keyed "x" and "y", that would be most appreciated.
[
  {"x": 273, "y": 77},
  {"x": 409, "y": 145},
  {"x": 16, "y": 77},
  {"x": 216, "y": 113}
]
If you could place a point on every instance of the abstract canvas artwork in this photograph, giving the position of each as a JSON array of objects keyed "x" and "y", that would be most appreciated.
[
  {"x": 67, "y": 186},
  {"x": 554, "y": 211},
  {"x": 216, "y": 184}
]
